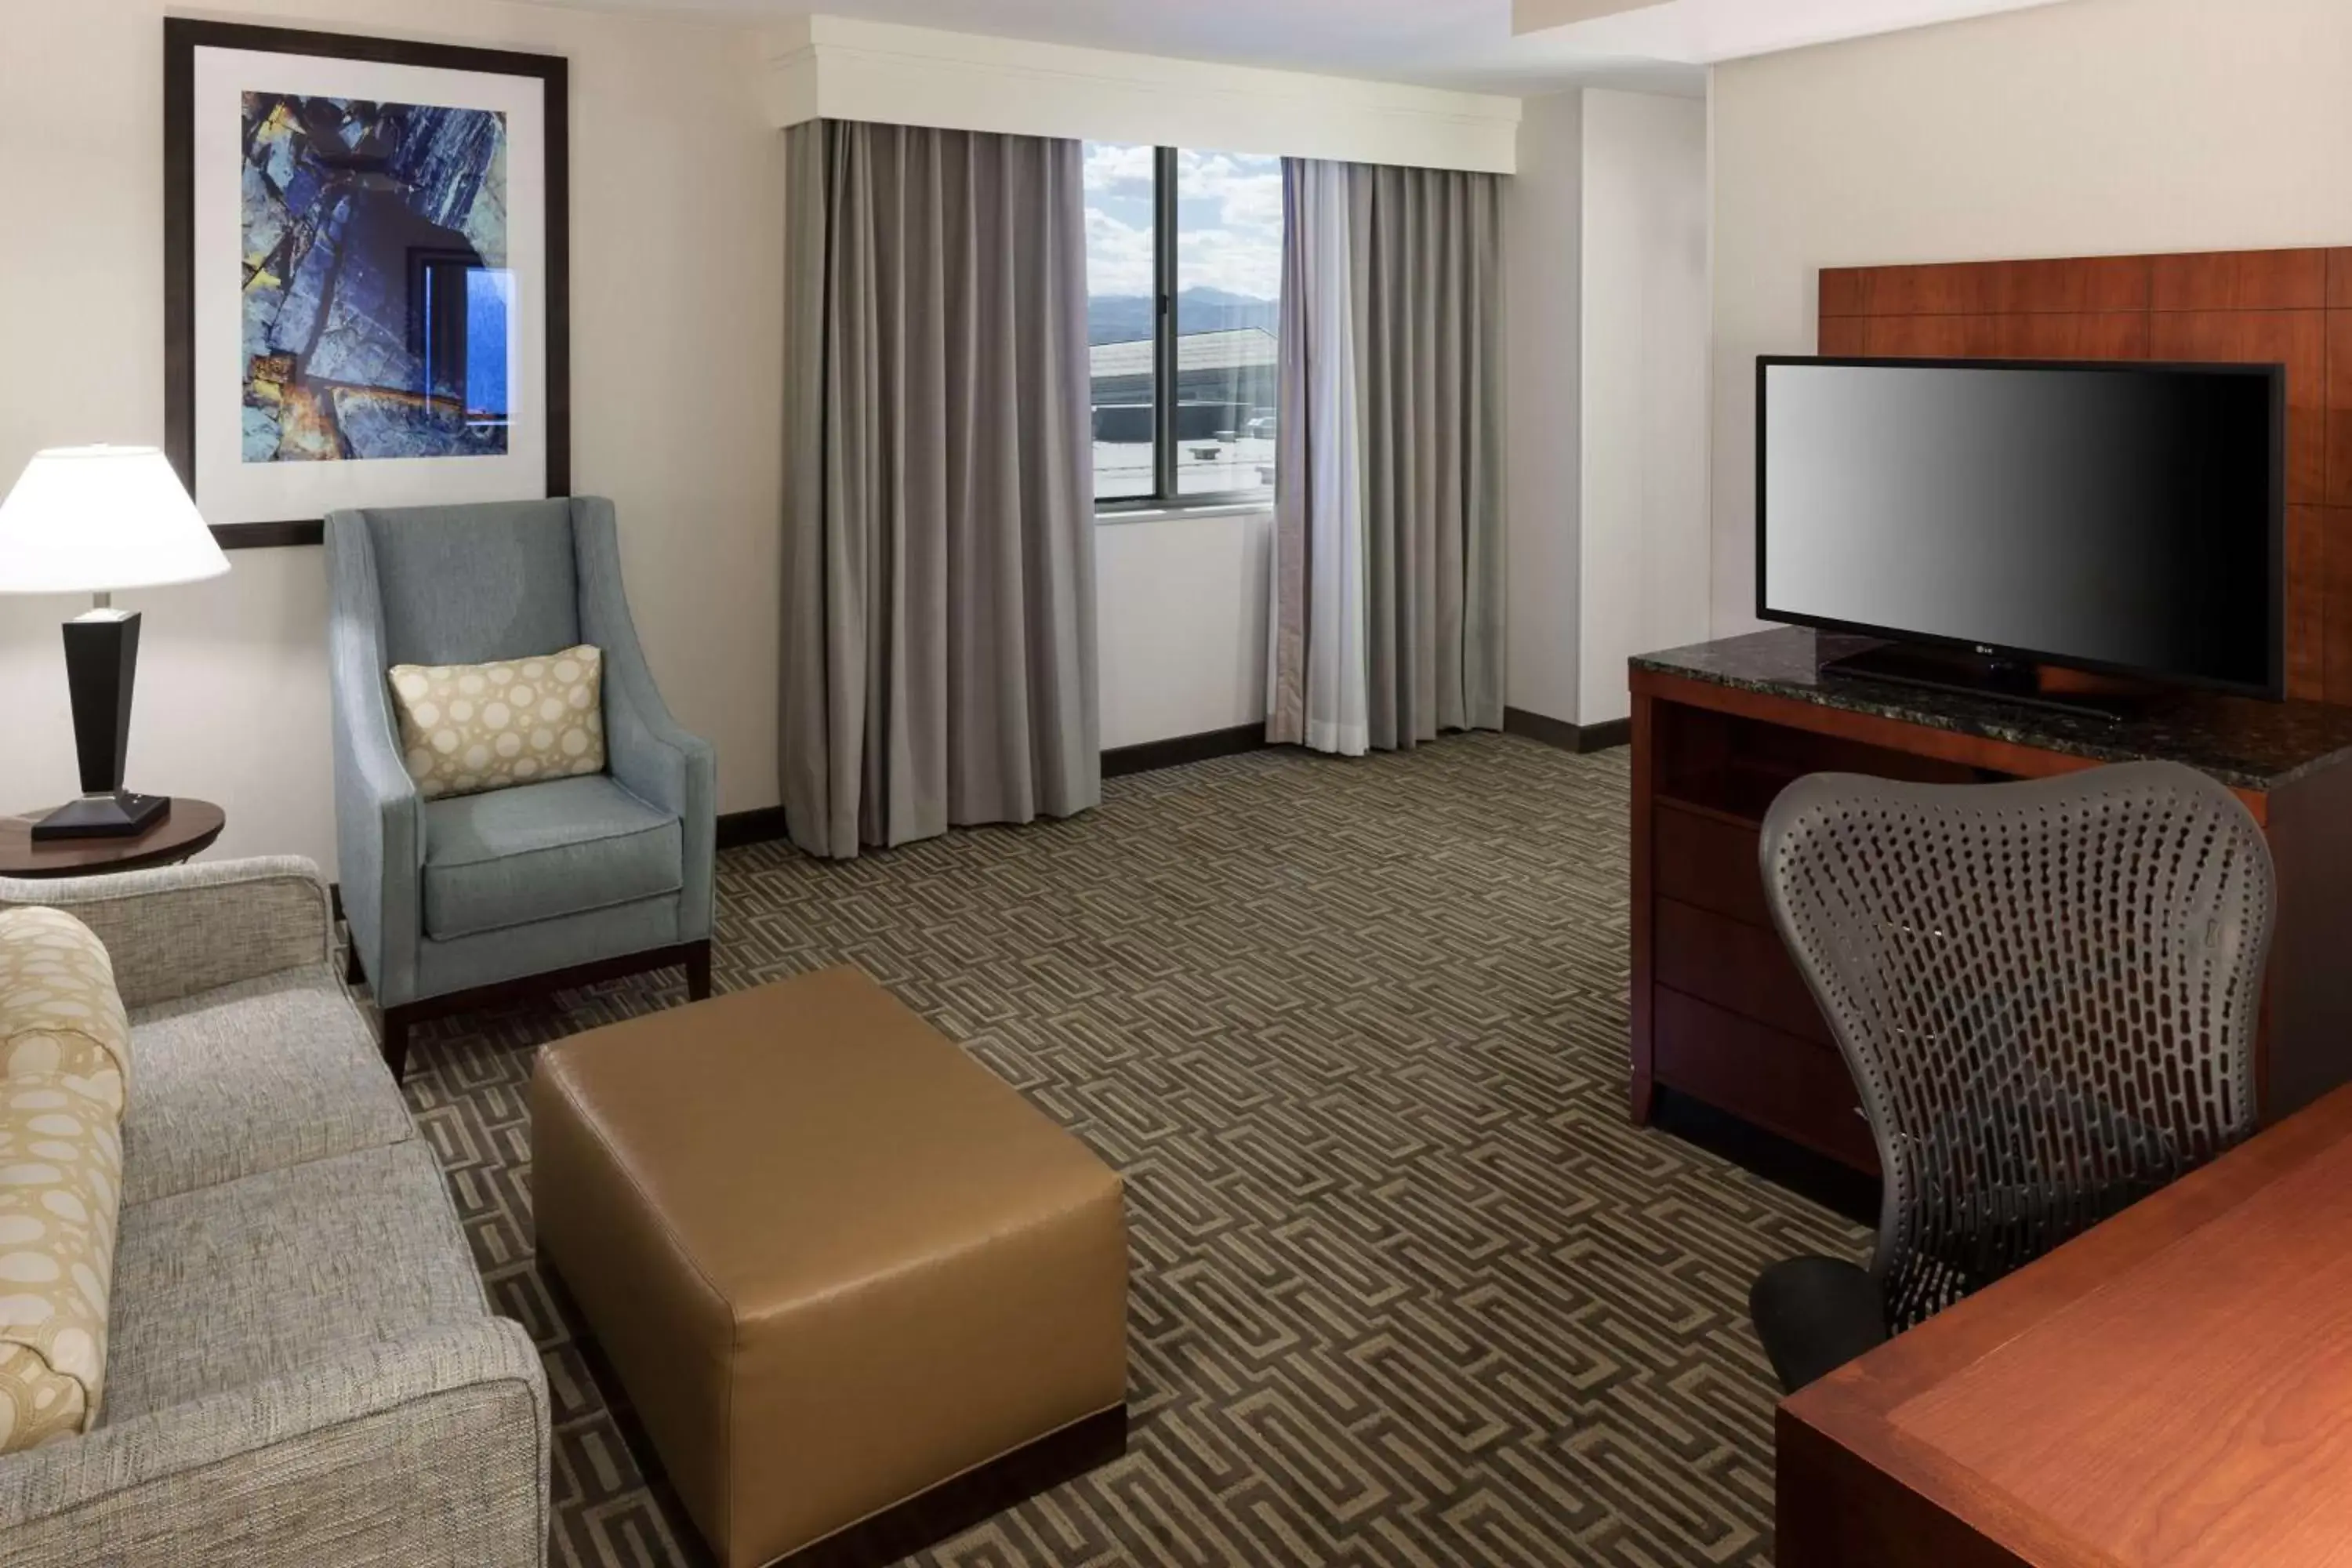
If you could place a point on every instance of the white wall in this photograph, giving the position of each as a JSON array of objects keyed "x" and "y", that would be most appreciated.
[
  {"x": 1183, "y": 624},
  {"x": 845, "y": 68},
  {"x": 1605, "y": 227},
  {"x": 1543, "y": 215},
  {"x": 1643, "y": 532},
  {"x": 2097, "y": 127},
  {"x": 677, "y": 346}
]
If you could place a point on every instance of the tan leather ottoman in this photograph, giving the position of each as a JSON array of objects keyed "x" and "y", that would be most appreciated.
[{"x": 859, "y": 1291}]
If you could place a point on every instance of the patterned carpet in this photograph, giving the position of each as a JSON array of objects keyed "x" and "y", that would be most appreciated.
[{"x": 1407, "y": 1288}]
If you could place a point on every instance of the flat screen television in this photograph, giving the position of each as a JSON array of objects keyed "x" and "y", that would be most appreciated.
[{"x": 2126, "y": 519}]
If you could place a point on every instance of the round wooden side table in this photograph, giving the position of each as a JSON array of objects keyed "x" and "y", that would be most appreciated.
[{"x": 187, "y": 831}]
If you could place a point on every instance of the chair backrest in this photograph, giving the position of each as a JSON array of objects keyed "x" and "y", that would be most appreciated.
[
  {"x": 470, "y": 584},
  {"x": 2047, "y": 992}
]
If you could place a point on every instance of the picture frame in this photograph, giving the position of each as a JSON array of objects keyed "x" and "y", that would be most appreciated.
[{"x": 366, "y": 275}]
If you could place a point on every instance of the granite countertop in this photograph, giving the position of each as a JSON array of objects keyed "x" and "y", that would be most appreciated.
[{"x": 2242, "y": 741}]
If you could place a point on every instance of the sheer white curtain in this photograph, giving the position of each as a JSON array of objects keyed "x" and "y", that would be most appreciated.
[
  {"x": 1317, "y": 671},
  {"x": 1387, "y": 623}
]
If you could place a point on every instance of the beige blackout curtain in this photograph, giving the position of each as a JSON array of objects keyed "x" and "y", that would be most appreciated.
[
  {"x": 940, "y": 590},
  {"x": 1388, "y": 584}
]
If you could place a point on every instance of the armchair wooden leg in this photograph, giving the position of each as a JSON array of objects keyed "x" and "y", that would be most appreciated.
[
  {"x": 395, "y": 1042},
  {"x": 698, "y": 971}
]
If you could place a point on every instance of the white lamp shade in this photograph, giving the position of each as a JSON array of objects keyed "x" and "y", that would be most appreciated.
[{"x": 92, "y": 519}]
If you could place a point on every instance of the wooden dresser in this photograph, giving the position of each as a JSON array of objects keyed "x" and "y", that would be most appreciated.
[{"x": 1719, "y": 1012}]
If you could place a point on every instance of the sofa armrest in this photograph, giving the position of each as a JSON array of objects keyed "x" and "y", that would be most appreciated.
[
  {"x": 649, "y": 754},
  {"x": 429, "y": 1449},
  {"x": 179, "y": 929}
]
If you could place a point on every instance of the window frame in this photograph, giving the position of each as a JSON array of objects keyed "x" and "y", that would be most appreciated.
[{"x": 1164, "y": 497}]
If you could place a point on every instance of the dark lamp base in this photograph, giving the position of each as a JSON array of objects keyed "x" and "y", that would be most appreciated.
[{"x": 121, "y": 814}]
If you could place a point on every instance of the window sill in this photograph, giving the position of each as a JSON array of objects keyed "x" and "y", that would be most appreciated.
[{"x": 1172, "y": 513}]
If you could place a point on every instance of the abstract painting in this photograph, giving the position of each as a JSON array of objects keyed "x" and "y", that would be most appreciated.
[
  {"x": 366, "y": 282},
  {"x": 376, "y": 284}
]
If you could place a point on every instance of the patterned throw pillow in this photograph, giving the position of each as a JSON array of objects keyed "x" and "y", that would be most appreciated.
[
  {"x": 60, "y": 1014},
  {"x": 468, "y": 728},
  {"x": 60, "y": 1180}
]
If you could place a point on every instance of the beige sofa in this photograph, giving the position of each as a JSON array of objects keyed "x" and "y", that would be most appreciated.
[{"x": 301, "y": 1368}]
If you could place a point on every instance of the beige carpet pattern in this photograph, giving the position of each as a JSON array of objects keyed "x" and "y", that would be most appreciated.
[{"x": 1407, "y": 1288}]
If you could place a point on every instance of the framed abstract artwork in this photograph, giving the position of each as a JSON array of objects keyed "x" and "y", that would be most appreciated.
[{"x": 366, "y": 275}]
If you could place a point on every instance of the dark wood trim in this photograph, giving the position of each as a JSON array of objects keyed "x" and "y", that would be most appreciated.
[
  {"x": 694, "y": 957},
  {"x": 956, "y": 1505},
  {"x": 1558, "y": 733},
  {"x": 556, "y": 83},
  {"x": 187, "y": 829},
  {"x": 761, "y": 824},
  {"x": 1831, "y": 1182},
  {"x": 1565, "y": 736},
  {"x": 1605, "y": 736},
  {"x": 189, "y": 33},
  {"x": 1175, "y": 751},
  {"x": 766, "y": 823},
  {"x": 182, "y": 36},
  {"x": 269, "y": 535},
  {"x": 1642, "y": 1083}
]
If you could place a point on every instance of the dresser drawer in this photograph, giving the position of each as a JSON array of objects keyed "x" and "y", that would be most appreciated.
[
  {"x": 1794, "y": 1087},
  {"x": 1709, "y": 863},
  {"x": 1736, "y": 966}
]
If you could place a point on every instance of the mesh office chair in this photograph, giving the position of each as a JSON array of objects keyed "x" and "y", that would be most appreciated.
[{"x": 2047, "y": 994}]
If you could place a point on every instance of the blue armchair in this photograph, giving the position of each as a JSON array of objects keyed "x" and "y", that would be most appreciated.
[{"x": 457, "y": 903}]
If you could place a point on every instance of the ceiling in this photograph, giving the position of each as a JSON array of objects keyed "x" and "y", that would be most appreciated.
[{"x": 1657, "y": 45}]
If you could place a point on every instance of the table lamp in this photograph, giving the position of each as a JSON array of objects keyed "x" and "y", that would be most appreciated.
[{"x": 96, "y": 520}]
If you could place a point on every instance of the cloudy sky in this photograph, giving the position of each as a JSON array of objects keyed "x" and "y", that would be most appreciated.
[{"x": 1229, "y": 222}]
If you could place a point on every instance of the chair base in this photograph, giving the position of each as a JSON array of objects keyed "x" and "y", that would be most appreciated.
[
  {"x": 693, "y": 956},
  {"x": 1814, "y": 1315}
]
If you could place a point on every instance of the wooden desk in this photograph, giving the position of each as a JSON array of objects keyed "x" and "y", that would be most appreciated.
[{"x": 2171, "y": 1390}]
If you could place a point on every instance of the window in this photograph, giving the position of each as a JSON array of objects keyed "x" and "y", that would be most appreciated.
[{"x": 1183, "y": 307}]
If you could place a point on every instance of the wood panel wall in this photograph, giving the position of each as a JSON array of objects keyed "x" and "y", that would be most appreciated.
[{"x": 2287, "y": 307}]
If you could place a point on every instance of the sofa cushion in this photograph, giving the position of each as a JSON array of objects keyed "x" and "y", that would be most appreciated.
[
  {"x": 251, "y": 1078},
  {"x": 59, "y": 1012},
  {"x": 541, "y": 852},
  {"x": 60, "y": 1180},
  {"x": 466, "y": 728},
  {"x": 230, "y": 1286}
]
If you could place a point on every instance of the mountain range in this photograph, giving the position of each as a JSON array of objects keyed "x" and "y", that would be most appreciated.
[{"x": 1127, "y": 318}]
